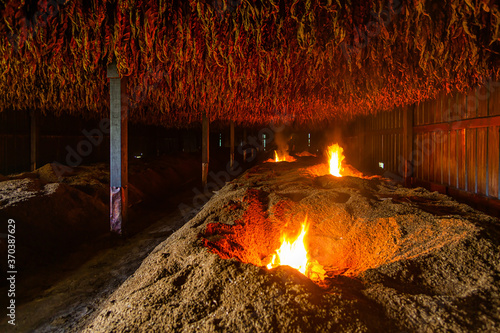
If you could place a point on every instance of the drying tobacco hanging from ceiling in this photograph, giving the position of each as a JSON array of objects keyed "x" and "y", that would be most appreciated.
[{"x": 244, "y": 60}]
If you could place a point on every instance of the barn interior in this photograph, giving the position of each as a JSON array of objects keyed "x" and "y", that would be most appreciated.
[{"x": 250, "y": 165}]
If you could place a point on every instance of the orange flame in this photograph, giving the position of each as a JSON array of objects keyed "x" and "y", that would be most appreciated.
[
  {"x": 336, "y": 157},
  {"x": 294, "y": 254},
  {"x": 283, "y": 157}
]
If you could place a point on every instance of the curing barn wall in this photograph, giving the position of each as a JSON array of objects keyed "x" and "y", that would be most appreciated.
[{"x": 454, "y": 147}]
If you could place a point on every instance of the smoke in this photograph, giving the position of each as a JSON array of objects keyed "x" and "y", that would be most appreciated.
[{"x": 281, "y": 140}]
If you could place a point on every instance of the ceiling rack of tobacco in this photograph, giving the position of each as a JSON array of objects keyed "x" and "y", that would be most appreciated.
[{"x": 249, "y": 61}]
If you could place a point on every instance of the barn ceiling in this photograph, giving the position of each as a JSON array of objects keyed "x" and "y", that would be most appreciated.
[{"x": 244, "y": 60}]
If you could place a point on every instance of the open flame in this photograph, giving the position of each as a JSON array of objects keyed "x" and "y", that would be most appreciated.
[
  {"x": 294, "y": 254},
  {"x": 283, "y": 157},
  {"x": 335, "y": 158}
]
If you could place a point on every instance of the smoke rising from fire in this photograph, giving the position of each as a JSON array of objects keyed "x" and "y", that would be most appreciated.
[{"x": 281, "y": 139}]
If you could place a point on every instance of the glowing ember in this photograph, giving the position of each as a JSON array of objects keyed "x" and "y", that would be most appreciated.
[
  {"x": 294, "y": 254},
  {"x": 283, "y": 157},
  {"x": 335, "y": 158}
]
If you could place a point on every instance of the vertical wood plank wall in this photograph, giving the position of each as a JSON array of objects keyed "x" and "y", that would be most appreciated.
[
  {"x": 60, "y": 134},
  {"x": 376, "y": 139},
  {"x": 456, "y": 142}
]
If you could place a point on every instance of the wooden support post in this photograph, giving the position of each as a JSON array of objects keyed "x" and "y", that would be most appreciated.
[
  {"x": 34, "y": 138},
  {"x": 408, "y": 144},
  {"x": 205, "y": 138},
  {"x": 231, "y": 144},
  {"x": 118, "y": 151}
]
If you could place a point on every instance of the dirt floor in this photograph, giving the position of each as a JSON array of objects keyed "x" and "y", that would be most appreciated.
[
  {"x": 396, "y": 260},
  {"x": 68, "y": 293}
]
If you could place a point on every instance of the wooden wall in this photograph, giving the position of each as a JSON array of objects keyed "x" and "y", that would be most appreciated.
[
  {"x": 60, "y": 135},
  {"x": 454, "y": 142},
  {"x": 14, "y": 139}
]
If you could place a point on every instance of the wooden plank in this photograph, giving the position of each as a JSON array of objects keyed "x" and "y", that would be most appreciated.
[
  {"x": 389, "y": 151},
  {"x": 34, "y": 139},
  {"x": 416, "y": 116},
  {"x": 380, "y": 154},
  {"x": 482, "y": 95},
  {"x": 431, "y": 149},
  {"x": 438, "y": 157},
  {"x": 425, "y": 109},
  {"x": 431, "y": 128},
  {"x": 374, "y": 151},
  {"x": 386, "y": 131},
  {"x": 470, "y": 160},
  {"x": 384, "y": 151},
  {"x": 401, "y": 157},
  {"x": 462, "y": 106},
  {"x": 438, "y": 115},
  {"x": 231, "y": 144},
  {"x": 451, "y": 109},
  {"x": 481, "y": 160},
  {"x": 493, "y": 161},
  {"x": 477, "y": 122},
  {"x": 205, "y": 153},
  {"x": 453, "y": 163},
  {"x": 395, "y": 153},
  {"x": 445, "y": 157},
  {"x": 444, "y": 106},
  {"x": 373, "y": 145},
  {"x": 396, "y": 117},
  {"x": 425, "y": 156},
  {"x": 461, "y": 161},
  {"x": 421, "y": 114},
  {"x": 494, "y": 100},
  {"x": 421, "y": 156},
  {"x": 416, "y": 157},
  {"x": 466, "y": 123},
  {"x": 380, "y": 149},
  {"x": 428, "y": 155},
  {"x": 432, "y": 111},
  {"x": 471, "y": 104},
  {"x": 383, "y": 146}
]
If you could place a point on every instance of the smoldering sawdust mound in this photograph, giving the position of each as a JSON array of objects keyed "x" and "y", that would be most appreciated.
[{"x": 396, "y": 259}]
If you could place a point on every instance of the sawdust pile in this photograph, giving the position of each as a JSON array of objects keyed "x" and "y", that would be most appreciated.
[
  {"x": 57, "y": 207},
  {"x": 396, "y": 259}
]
